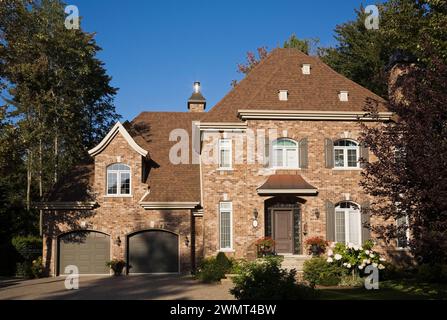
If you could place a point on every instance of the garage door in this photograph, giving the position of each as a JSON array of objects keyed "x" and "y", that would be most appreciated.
[
  {"x": 153, "y": 252},
  {"x": 87, "y": 250}
]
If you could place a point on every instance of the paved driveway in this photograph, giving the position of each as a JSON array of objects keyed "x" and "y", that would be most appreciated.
[{"x": 142, "y": 287}]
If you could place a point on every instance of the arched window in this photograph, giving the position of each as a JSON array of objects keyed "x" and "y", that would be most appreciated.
[
  {"x": 285, "y": 154},
  {"x": 348, "y": 226},
  {"x": 118, "y": 179},
  {"x": 346, "y": 154}
]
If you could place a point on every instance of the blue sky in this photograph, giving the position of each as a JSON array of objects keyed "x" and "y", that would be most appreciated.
[{"x": 155, "y": 50}]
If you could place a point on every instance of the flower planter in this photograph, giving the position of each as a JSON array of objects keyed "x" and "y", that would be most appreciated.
[{"x": 315, "y": 248}]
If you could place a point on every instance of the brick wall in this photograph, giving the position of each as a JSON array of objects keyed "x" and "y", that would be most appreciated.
[
  {"x": 120, "y": 216},
  {"x": 240, "y": 184}
]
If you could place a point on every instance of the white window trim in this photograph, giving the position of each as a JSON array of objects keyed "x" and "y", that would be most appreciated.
[
  {"x": 284, "y": 156},
  {"x": 230, "y": 148},
  {"x": 345, "y": 156},
  {"x": 118, "y": 195},
  {"x": 407, "y": 235},
  {"x": 346, "y": 213},
  {"x": 230, "y": 249}
]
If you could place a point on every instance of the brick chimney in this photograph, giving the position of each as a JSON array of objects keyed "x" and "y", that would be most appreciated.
[
  {"x": 400, "y": 65},
  {"x": 196, "y": 102}
]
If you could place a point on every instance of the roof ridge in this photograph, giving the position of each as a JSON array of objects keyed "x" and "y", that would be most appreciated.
[
  {"x": 245, "y": 79},
  {"x": 277, "y": 69},
  {"x": 337, "y": 74}
]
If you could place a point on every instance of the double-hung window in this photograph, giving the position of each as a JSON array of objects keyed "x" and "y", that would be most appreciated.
[
  {"x": 118, "y": 179},
  {"x": 346, "y": 154},
  {"x": 226, "y": 226},
  {"x": 403, "y": 233},
  {"x": 348, "y": 223},
  {"x": 225, "y": 154},
  {"x": 285, "y": 154}
]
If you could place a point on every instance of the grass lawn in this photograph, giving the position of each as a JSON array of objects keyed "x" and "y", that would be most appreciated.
[{"x": 388, "y": 290}]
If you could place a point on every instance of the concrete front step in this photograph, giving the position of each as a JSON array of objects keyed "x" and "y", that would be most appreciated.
[{"x": 294, "y": 262}]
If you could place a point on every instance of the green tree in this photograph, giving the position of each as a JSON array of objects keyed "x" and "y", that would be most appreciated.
[
  {"x": 362, "y": 54},
  {"x": 308, "y": 46},
  {"x": 58, "y": 103},
  {"x": 58, "y": 93}
]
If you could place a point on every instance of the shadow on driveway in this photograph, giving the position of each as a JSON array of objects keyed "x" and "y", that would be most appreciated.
[{"x": 141, "y": 287}]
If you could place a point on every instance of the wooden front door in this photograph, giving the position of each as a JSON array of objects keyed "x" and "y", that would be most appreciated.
[{"x": 283, "y": 230}]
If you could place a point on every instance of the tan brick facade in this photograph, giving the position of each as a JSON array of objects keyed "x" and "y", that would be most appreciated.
[
  {"x": 314, "y": 95},
  {"x": 239, "y": 185},
  {"x": 121, "y": 216}
]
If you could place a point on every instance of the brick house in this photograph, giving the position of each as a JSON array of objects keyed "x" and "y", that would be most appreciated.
[{"x": 278, "y": 156}]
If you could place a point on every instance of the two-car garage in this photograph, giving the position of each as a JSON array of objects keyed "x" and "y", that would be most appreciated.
[{"x": 150, "y": 251}]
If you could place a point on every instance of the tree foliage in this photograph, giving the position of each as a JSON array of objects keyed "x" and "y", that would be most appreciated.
[
  {"x": 57, "y": 94},
  {"x": 57, "y": 103},
  {"x": 362, "y": 55},
  {"x": 409, "y": 177}
]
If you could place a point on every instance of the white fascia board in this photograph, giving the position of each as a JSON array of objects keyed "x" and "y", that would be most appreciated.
[
  {"x": 311, "y": 115},
  {"x": 117, "y": 128},
  {"x": 169, "y": 205},
  {"x": 222, "y": 126}
]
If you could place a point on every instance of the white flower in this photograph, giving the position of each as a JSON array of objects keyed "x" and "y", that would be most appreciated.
[
  {"x": 345, "y": 264},
  {"x": 330, "y": 252},
  {"x": 375, "y": 265},
  {"x": 372, "y": 255},
  {"x": 367, "y": 251},
  {"x": 382, "y": 259},
  {"x": 348, "y": 266},
  {"x": 365, "y": 261},
  {"x": 381, "y": 267},
  {"x": 329, "y": 260},
  {"x": 332, "y": 245},
  {"x": 361, "y": 248},
  {"x": 338, "y": 256},
  {"x": 356, "y": 247},
  {"x": 361, "y": 267}
]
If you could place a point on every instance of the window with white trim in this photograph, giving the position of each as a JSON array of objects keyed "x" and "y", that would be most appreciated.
[
  {"x": 285, "y": 154},
  {"x": 226, "y": 226},
  {"x": 118, "y": 179},
  {"x": 403, "y": 232},
  {"x": 348, "y": 226},
  {"x": 346, "y": 154},
  {"x": 225, "y": 153}
]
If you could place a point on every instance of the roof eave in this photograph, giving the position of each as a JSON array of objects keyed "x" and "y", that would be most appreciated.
[
  {"x": 312, "y": 115},
  {"x": 117, "y": 128}
]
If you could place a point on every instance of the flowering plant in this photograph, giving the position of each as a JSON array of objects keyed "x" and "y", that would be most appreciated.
[
  {"x": 355, "y": 258},
  {"x": 316, "y": 245},
  {"x": 265, "y": 246}
]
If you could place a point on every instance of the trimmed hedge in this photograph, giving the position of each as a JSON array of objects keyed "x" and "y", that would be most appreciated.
[
  {"x": 214, "y": 269},
  {"x": 317, "y": 271},
  {"x": 264, "y": 279},
  {"x": 29, "y": 248}
]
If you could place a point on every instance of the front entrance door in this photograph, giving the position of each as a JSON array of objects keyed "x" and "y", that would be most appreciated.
[{"x": 283, "y": 230}]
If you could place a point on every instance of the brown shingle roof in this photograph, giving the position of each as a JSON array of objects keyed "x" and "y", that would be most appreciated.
[
  {"x": 168, "y": 182},
  {"x": 286, "y": 182},
  {"x": 281, "y": 70}
]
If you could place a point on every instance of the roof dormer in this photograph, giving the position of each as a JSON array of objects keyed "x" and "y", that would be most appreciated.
[{"x": 343, "y": 96}]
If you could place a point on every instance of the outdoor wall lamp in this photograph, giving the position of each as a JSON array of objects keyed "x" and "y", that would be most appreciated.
[
  {"x": 187, "y": 241},
  {"x": 317, "y": 213},
  {"x": 255, "y": 218},
  {"x": 118, "y": 241}
]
